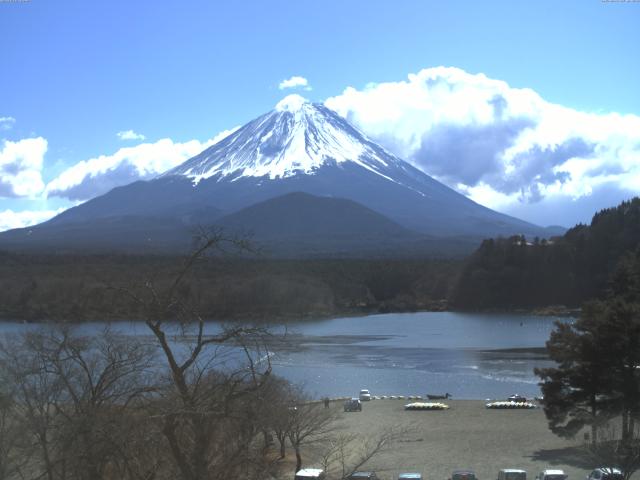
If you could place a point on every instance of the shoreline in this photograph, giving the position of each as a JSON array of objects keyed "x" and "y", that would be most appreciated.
[{"x": 550, "y": 311}]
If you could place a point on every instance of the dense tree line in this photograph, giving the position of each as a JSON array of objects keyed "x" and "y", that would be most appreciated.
[
  {"x": 514, "y": 272},
  {"x": 77, "y": 287}
]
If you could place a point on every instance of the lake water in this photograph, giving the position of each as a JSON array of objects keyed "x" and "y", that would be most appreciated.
[
  {"x": 468, "y": 355},
  {"x": 472, "y": 356}
]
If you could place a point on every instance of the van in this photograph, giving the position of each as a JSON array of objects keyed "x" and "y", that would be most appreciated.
[
  {"x": 552, "y": 474},
  {"x": 512, "y": 474},
  {"x": 310, "y": 474},
  {"x": 365, "y": 395}
]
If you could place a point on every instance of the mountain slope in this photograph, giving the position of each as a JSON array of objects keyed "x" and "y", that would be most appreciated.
[
  {"x": 298, "y": 224},
  {"x": 296, "y": 138},
  {"x": 126, "y": 234},
  {"x": 291, "y": 226},
  {"x": 302, "y": 215},
  {"x": 297, "y": 147},
  {"x": 301, "y": 146}
]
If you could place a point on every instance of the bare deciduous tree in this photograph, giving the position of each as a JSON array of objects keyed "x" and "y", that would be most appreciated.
[
  {"x": 309, "y": 423},
  {"x": 196, "y": 402},
  {"x": 72, "y": 395},
  {"x": 206, "y": 412},
  {"x": 14, "y": 451},
  {"x": 280, "y": 398},
  {"x": 347, "y": 453}
]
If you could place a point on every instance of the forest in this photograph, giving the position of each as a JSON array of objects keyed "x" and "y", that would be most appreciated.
[
  {"x": 75, "y": 288},
  {"x": 516, "y": 272}
]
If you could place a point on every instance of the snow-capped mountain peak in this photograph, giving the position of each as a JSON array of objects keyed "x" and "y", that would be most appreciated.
[
  {"x": 299, "y": 147},
  {"x": 297, "y": 137},
  {"x": 291, "y": 103}
]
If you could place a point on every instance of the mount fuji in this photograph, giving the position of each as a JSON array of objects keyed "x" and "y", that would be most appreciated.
[{"x": 298, "y": 165}]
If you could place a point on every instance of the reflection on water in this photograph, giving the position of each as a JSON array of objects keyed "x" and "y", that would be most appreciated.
[{"x": 467, "y": 355}]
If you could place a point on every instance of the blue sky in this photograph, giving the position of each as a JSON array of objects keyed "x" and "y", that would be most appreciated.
[{"x": 76, "y": 73}]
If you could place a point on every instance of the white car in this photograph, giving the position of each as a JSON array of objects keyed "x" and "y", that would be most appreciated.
[
  {"x": 552, "y": 475},
  {"x": 310, "y": 474},
  {"x": 365, "y": 396},
  {"x": 512, "y": 474},
  {"x": 606, "y": 473}
]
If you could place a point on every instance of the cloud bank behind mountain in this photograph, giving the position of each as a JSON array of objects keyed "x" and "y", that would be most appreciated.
[{"x": 507, "y": 148}]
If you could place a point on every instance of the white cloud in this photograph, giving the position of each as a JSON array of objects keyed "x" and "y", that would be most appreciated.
[
  {"x": 95, "y": 176},
  {"x": 6, "y": 123},
  {"x": 505, "y": 147},
  {"x": 295, "y": 82},
  {"x": 11, "y": 219},
  {"x": 130, "y": 135},
  {"x": 21, "y": 167}
]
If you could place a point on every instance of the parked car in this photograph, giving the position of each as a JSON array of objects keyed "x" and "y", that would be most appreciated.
[
  {"x": 353, "y": 405},
  {"x": 363, "y": 476},
  {"x": 310, "y": 474},
  {"x": 365, "y": 396},
  {"x": 606, "y": 473},
  {"x": 552, "y": 475},
  {"x": 463, "y": 475},
  {"x": 512, "y": 474},
  {"x": 517, "y": 398},
  {"x": 410, "y": 476}
]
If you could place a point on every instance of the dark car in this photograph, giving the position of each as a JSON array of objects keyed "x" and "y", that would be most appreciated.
[
  {"x": 353, "y": 405},
  {"x": 463, "y": 475},
  {"x": 363, "y": 476}
]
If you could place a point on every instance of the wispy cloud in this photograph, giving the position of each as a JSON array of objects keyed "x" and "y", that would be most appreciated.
[
  {"x": 6, "y": 123},
  {"x": 10, "y": 219},
  {"x": 295, "y": 82},
  {"x": 504, "y": 147},
  {"x": 21, "y": 164},
  {"x": 95, "y": 176},
  {"x": 130, "y": 135}
]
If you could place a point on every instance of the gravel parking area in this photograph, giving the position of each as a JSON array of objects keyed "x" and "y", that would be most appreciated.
[{"x": 466, "y": 436}]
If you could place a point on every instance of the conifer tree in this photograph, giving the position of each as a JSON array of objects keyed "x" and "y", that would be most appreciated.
[{"x": 596, "y": 380}]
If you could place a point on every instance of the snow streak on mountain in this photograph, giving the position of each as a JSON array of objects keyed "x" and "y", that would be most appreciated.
[{"x": 298, "y": 137}]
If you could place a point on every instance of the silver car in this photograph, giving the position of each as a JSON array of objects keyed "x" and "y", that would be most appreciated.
[{"x": 365, "y": 395}]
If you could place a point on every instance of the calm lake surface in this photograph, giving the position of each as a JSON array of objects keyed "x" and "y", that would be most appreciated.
[
  {"x": 468, "y": 355},
  {"x": 473, "y": 356}
]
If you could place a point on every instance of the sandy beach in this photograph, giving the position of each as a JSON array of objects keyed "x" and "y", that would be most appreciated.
[{"x": 466, "y": 436}]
